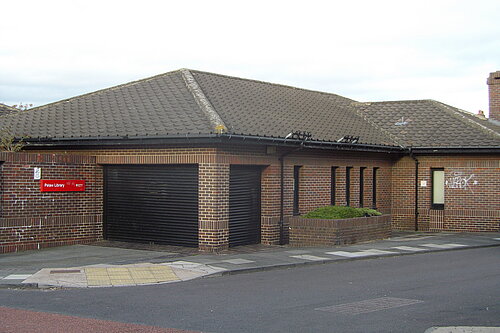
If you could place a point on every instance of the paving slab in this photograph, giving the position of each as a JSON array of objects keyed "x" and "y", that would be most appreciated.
[{"x": 83, "y": 266}]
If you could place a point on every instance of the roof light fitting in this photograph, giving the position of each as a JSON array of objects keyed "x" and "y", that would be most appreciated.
[
  {"x": 348, "y": 139},
  {"x": 299, "y": 135}
]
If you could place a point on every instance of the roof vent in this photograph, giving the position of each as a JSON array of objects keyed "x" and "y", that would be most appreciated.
[
  {"x": 348, "y": 139},
  {"x": 401, "y": 122}
]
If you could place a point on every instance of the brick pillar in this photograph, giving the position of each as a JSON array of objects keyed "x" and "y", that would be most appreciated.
[
  {"x": 270, "y": 205},
  {"x": 494, "y": 93},
  {"x": 213, "y": 232}
]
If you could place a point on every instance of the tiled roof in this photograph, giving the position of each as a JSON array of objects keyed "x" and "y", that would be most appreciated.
[
  {"x": 186, "y": 103},
  {"x": 427, "y": 123},
  {"x": 157, "y": 106},
  {"x": 265, "y": 109},
  {"x": 5, "y": 109}
]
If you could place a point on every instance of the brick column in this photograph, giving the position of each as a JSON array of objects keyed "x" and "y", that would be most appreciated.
[
  {"x": 270, "y": 205},
  {"x": 213, "y": 227}
]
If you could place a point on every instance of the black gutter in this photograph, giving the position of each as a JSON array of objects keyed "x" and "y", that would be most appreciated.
[
  {"x": 457, "y": 150},
  {"x": 204, "y": 138},
  {"x": 416, "y": 186}
]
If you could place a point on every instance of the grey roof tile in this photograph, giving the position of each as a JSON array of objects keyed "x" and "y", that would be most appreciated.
[
  {"x": 265, "y": 109},
  {"x": 159, "y": 106},
  {"x": 6, "y": 109},
  {"x": 427, "y": 123},
  {"x": 171, "y": 104}
]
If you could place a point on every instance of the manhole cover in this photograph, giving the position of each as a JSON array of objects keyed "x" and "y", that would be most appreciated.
[{"x": 370, "y": 305}]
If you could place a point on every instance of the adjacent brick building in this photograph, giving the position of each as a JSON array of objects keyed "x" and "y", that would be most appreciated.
[{"x": 198, "y": 159}]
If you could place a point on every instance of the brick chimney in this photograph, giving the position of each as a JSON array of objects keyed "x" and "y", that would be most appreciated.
[{"x": 494, "y": 90}]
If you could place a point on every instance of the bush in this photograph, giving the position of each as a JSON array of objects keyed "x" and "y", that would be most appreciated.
[{"x": 340, "y": 212}]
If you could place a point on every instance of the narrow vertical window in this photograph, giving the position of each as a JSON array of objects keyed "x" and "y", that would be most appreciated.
[
  {"x": 296, "y": 188},
  {"x": 361, "y": 186},
  {"x": 348, "y": 186},
  {"x": 374, "y": 188},
  {"x": 437, "y": 188},
  {"x": 333, "y": 188}
]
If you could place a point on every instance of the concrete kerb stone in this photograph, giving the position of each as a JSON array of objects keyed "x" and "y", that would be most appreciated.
[
  {"x": 243, "y": 270},
  {"x": 262, "y": 261}
]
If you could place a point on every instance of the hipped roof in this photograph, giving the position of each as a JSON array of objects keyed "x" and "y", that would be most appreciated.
[{"x": 188, "y": 103}]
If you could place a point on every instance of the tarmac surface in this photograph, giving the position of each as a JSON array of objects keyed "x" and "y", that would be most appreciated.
[{"x": 114, "y": 264}]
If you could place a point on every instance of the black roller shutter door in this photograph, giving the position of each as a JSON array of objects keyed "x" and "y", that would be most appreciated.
[
  {"x": 244, "y": 205},
  {"x": 152, "y": 204}
]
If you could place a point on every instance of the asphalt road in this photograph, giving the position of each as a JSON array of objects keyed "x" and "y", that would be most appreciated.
[{"x": 395, "y": 294}]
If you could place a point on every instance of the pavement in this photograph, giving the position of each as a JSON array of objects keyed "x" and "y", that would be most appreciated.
[{"x": 109, "y": 264}]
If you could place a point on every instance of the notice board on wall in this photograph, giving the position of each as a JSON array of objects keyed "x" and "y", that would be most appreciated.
[{"x": 62, "y": 185}]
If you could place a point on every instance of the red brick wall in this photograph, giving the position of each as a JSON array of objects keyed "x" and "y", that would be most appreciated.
[
  {"x": 475, "y": 208},
  {"x": 31, "y": 219},
  {"x": 315, "y": 179},
  {"x": 472, "y": 200},
  {"x": 215, "y": 161},
  {"x": 329, "y": 232},
  {"x": 494, "y": 94}
]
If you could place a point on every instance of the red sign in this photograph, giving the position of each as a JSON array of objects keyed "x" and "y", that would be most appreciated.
[{"x": 62, "y": 185}]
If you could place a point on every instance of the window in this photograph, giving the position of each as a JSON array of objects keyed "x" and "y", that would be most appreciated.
[
  {"x": 296, "y": 185},
  {"x": 361, "y": 186},
  {"x": 348, "y": 186},
  {"x": 437, "y": 188},
  {"x": 333, "y": 188},
  {"x": 374, "y": 188}
]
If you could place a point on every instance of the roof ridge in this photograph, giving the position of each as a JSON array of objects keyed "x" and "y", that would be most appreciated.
[
  {"x": 203, "y": 102},
  {"x": 455, "y": 113},
  {"x": 271, "y": 84},
  {"x": 398, "y": 101},
  {"x": 7, "y": 110},
  {"x": 393, "y": 137},
  {"x": 102, "y": 90}
]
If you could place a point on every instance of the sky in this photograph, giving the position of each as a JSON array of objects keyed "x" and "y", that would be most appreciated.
[{"x": 364, "y": 50}]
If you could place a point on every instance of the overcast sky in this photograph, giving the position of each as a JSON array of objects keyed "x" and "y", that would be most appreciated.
[{"x": 365, "y": 50}]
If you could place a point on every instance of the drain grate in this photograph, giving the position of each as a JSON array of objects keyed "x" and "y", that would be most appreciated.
[{"x": 370, "y": 305}]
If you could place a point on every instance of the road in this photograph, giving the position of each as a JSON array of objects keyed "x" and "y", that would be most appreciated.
[{"x": 395, "y": 294}]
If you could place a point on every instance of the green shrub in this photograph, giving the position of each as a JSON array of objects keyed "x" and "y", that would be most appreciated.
[{"x": 340, "y": 212}]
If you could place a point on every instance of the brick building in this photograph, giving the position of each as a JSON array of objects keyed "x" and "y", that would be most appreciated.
[{"x": 205, "y": 160}]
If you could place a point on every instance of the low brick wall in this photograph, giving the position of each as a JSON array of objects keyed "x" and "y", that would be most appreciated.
[
  {"x": 31, "y": 219},
  {"x": 328, "y": 232}
]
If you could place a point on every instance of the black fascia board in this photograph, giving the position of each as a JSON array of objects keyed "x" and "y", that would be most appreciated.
[
  {"x": 456, "y": 150},
  {"x": 93, "y": 142}
]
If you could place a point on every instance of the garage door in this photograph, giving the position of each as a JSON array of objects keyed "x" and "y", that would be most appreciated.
[
  {"x": 152, "y": 204},
  {"x": 244, "y": 205}
]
